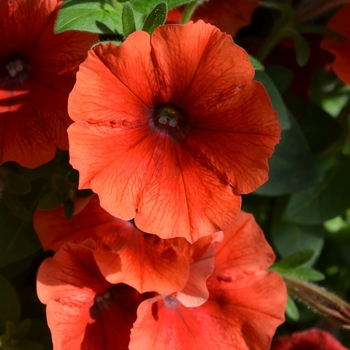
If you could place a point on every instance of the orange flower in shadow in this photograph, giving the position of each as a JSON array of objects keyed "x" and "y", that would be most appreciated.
[
  {"x": 84, "y": 311},
  {"x": 37, "y": 72},
  {"x": 170, "y": 129},
  {"x": 311, "y": 339},
  {"x": 126, "y": 255},
  {"x": 340, "y": 47},
  {"x": 228, "y": 15},
  {"x": 245, "y": 305}
]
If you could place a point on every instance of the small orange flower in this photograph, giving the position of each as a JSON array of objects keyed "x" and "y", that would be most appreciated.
[
  {"x": 228, "y": 15},
  {"x": 37, "y": 72},
  {"x": 311, "y": 339},
  {"x": 340, "y": 47},
  {"x": 245, "y": 305},
  {"x": 170, "y": 129},
  {"x": 83, "y": 310}
]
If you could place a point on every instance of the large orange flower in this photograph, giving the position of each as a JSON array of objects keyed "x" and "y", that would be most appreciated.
[
  {"x": 126, "y": 255},
  {"x": 340, "y": 47},
  {"x": 245, "y": 303},
  {"x": 83, "y": 310},
  {"x": 170, "y": 129},
  {"x": 37, "y": 72},
  {"x": 228, "y": 15}
]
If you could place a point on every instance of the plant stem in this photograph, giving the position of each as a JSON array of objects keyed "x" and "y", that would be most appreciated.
[{"x": 189, "y": 11}]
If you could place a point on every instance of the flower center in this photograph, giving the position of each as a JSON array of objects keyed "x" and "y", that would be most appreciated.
[
  {"x": 15, "y": 67},
  {"x": 101, "y": 298},
  {"x": 170, "y": 120},
  {"x": 169, "y": 116}
]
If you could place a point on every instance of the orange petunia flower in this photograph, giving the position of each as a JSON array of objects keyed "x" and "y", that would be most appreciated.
[
  {"x": 37, "y": 72},
  {"x": 228, "y": 15},
  {"x": 126, "y": 255},
  {"x": 245, "y": 306},
  {"x": 170, "y": 129},
  {"x": 311, "y": 339},
  {"x": 83, "y": 310},
  {"x": 340, "y": 47}
]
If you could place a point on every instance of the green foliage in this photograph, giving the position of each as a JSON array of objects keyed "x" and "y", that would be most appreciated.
[
  {"x": 9, "y": 307},
  {"x": 276, "y": 99},
  {"x": 146, "y": 7},
  {"x": 96, "y": 16},
  {"x": 156, "y": 18},
  {"x": 17, "y": 240},
  {"x": 302, "y": 47},
  {"x": 313, "y": 122},
  {"x": 292, "y": 310},
  {"x": 128, "y": 20},
  {"x": 322, "y": 201},
  {"x": 292, "y": 167},
  {"x": 257, "y": 65},
  {"x": 289, "y": 238}
]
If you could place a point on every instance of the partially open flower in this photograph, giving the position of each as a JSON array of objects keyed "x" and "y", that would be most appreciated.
[
  {"x": 84, "y": 311},
  {"x": 340, "y": 47},
  {"x": 125, "y": 254}
]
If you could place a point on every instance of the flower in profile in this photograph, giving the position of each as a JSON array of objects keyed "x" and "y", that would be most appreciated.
[
  {"x": 228, "y": 15},
  {"x": 84, "y": 311},
  {"x": 311, "y": 339},
  {"x": 171, "y": 129},
  {"x": 37, "y": 72},
  {"x": 340, "y": 47},
  {"x": 245, "y": 305},
  {"x": 125, "y": 254}
]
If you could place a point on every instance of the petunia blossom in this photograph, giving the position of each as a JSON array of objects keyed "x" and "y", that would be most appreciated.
[
  {"x": 125, "y": 254},
  {"x": 83, "y": 310},
  {"x": 340, "y": 47},
  {"x": 310, "y": 339},
  {"x": 37, "y": 72},
  {"x": 228, "y": 15},
  {"x": 171, "y": 129},
  {"x": 245, "y": 305}
]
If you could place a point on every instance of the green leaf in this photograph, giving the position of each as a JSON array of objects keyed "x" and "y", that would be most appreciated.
[
  {"x": 319, "y": 128},
  {"x": 39, "y": 332},
  {"x": 128, "y": 20},
  {"x": 17, "y": 238},
  {"x": 16, "y": 206},
  {"x": 281, "y": 76},
  {"x": 295, "y": 260},
  {"x": 23, "y": 328},
  {"x": 302, "y": 49},
  {"x": 51, "y": 200},
  {"x": 257, "y": 65},
  {"x": 291, "y": 309},
  {"x": 292, "y": 167},
  {"x": 306, "y": 273},
  {"x": 290, "y": 238},
  {"x": 275, "y": 97},
  {"x": 156, "y": 18},
  {"x": 9, "y": 304},
  {"x": 95, "y": 16},
  {"x": 10, "y": 329},
  {"x": 28, "y": 345},
  {"x": 17, "y": 184},
  {"x": 146, "y": 7},
  {"x": 322, "y": 201}
]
